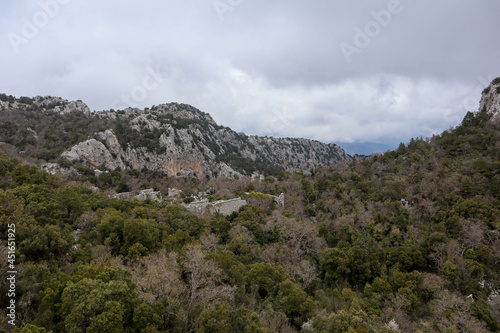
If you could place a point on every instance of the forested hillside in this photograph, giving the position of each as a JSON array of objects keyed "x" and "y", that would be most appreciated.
[{"x": 405, "y": 241}]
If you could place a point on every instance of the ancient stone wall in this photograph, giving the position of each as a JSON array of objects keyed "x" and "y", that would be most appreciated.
[
  {"x": 141, "y": 195},
  {"x": 226, "y": 207},
  {"x": 198, "y": 207},
  {"x": 280, "y": 200}
]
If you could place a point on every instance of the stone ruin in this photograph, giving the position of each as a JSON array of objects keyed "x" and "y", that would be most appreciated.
[
  {"x": 222, "y": 207},
  {"x": 199, "y": 206},
  {"x": 280, "y": 199},
  {"x": 149, "y": 194},
  {"x": 226, "y": 207}
]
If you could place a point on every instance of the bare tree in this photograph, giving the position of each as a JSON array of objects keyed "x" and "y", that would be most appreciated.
[
  {"x": 210, "y": 242},
  {"x": 276, "y": 322},
  {"x": 204, "y": 278},
  {"x": 301, "y": 236},
  {"x": 303, "y": 273},
  {"x": 243, "y": 233},
  {"x": 472, "y": 234},
  {"x": 159, "y": 278}
]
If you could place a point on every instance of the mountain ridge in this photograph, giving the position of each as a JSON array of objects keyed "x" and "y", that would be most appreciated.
[{"x": 172, "y": 138}]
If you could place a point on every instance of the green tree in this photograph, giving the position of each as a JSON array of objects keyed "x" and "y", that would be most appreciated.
[
  {"x": 30, "y": 328},
  {"x": 144, "y": 315},
  {"x": 294, "y": 302},
  {"x": 265, "y": 279},
  {"x": 110, "y": 320},
  {"x": 215, "y": 320}
]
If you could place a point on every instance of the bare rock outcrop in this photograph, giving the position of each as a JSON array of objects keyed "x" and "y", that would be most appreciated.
[
  {"x": 60, "y": 105},
  {"x": 490, "y": 99},
  {"x": 182, "y": 141},
  {"x": 95, "y": 153}
]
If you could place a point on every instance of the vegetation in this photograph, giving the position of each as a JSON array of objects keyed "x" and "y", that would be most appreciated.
[
  {"x": 45, "y": 135},
  {"x": 345, "y": 254}
]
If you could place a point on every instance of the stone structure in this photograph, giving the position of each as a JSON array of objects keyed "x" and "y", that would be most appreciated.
[
  {"x": 142, "y": 195},
  {"x": 280, "y": 200},
  {"x": 226, "y": 207},
  {"x": 223, "y": 207},
  {"x": 198, "y": 207}
]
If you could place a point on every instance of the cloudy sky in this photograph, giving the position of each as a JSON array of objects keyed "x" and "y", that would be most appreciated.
[{"x": 375, "y": 71}]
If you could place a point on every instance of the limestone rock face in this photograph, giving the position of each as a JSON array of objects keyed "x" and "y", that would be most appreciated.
[
  {"x": 60, "y": 105},
  {"x": 182, "y": 141},
  {"x": 110, "y": 140},
  {"x": 4, "y": 105},
  {"x": 490, "y": 99},
  {"x": 95, "y": 153},
  {"x": 297, "y": 154}
]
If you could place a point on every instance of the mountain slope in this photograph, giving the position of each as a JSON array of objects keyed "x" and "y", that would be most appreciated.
[
  {"x": 344, "y": 252},
  {"x": 175, "y": 139}
]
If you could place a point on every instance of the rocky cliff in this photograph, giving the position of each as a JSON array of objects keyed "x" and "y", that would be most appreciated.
[
  {"x": 175, "y": 139},
  {"x": 47, "y": 103},
  {"x": 490, "y": 99},
  {"x": 182, "y": 141}
]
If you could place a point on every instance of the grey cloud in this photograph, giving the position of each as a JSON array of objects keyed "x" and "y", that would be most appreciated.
[{"x": 264, "y": 67}]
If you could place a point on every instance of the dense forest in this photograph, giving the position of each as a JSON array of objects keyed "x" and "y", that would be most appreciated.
[{"x": 404, "y": 241}]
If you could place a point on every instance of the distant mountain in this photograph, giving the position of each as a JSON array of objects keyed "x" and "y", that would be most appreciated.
[
  {"x": 364, "y": 148},
  {"x": 174, "y": 139}
]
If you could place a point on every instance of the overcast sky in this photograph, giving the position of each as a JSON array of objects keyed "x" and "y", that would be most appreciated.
[{"x": 355, "y": 71}]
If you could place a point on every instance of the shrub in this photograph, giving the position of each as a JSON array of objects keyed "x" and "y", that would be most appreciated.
[{"x": 25, "y": 100}]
